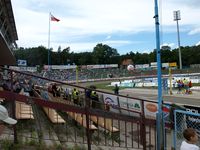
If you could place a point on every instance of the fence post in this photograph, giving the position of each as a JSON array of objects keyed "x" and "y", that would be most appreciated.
[
  {"x": 175, "y": 130},
  {"x": 13, "y": 109},
  {"x": 143, "y": 128},
  {"x": 87, "y": 107}
]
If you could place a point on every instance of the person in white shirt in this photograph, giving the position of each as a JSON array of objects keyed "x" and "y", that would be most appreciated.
[{"x": 190, "y": 141}]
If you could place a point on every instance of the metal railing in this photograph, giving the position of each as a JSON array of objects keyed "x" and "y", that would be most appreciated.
[
  {"x": 182, "y": 120},
  {"x": 127, "y": 128}
]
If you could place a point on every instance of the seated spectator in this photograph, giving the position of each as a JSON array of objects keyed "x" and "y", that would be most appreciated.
[
  {"x": 16, "y": 87},
  {"x": 4, "y": 118},
  {"x": 54, "y": 89}
]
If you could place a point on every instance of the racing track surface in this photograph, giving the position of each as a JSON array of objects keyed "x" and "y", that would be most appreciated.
[{"x": 151, "y": 94}]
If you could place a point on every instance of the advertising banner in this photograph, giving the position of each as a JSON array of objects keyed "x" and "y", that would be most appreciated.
[
  {"x": 129, "y": 104},
  {"x": 193, "y": 121},
  {"x": 151, "y": 109},
  {"x": 111, "y": 100},
  {"x": 21, "y": 62}
]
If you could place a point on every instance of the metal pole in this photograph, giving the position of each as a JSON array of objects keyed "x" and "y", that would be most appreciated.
[
  {"x": 77, "y": 75},
  {"x": 179, "y": 47},
  {"x": 170, "y": 80},
  {"x": 159, "y": 119},
  {"x": 49, "y": 41},
  {"x": 87, "y": 107},
  {"x": 13, "y": 110}
]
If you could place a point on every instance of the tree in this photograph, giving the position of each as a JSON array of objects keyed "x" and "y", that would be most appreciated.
[
  {"x": 166, "y": 47},
  {"x": 103, "y": 54},
  {"x": 65, "y": 56}
]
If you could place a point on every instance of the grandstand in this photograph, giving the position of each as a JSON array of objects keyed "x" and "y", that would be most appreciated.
[
  {"x": 8, "y": 33},
  {"x": 43, "y": 119}
]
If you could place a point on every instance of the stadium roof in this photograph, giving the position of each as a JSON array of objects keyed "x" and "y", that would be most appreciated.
[{"x": 7, "y": 57}]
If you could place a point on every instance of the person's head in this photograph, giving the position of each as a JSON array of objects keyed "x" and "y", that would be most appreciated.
[
  {"x": 190, "y": 135},
  {"x": 4, "y": 116}
]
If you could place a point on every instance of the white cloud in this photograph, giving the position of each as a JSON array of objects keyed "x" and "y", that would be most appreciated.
[
  {"x": 81, "y": 20},
  {"x": 117, "y": 42},
  {"x": 172, "y": 45},
  {"x": 88, "y": 46},
  {"x": 108, "y": 37},
  {"x": 146, "y": 51},
  {"x": 198, "y": 43},
  {"x": 194, "y": 31}
]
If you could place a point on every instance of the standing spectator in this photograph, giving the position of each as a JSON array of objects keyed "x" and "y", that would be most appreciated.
[
  {"x": 75, "y": 96},
  {"x": 116, "y": 89},
  {"x": 180, "y": 86},
  {"x": 95, "y": 99},
  {"x": 89, "y": 90},
  {"x": 190, "y": 141},
  {"x": 190, "y": 85}
]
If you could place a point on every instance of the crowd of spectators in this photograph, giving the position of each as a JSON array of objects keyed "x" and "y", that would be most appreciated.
[
  {"x": 19, "y": 84},
  {"x": 85, "y": 74}
]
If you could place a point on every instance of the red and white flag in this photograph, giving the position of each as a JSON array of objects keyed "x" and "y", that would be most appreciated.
[{"x": 54, "y": 18}]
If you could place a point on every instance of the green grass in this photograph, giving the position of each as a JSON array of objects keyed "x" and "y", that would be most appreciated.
[
  {"x": 195, "y": 84},
  {"x": 105, "y": 86}
]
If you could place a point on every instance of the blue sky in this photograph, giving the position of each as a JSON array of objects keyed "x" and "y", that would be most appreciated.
[{"x": 126, "y": 25}]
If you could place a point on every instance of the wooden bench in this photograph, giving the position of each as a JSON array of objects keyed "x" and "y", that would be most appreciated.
[
  {"x": 53, "y": 115},
  {"x": 80, "y": 118},
  {"x": 104, "y": 123},
  {"x": 23, "y": 111}
]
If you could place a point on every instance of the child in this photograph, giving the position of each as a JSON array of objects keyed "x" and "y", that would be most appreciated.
[{"x": 191, "y": 139}]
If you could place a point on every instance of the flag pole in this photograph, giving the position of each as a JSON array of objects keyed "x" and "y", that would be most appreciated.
[{"x": 49, "y": 41}]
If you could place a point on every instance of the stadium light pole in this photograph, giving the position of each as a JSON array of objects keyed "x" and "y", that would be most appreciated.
[
  {"x": 159, "y": 117},
  {"x": 177, "y": 17}
]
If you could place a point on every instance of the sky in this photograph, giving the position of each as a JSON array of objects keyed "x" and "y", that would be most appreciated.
[{"x": 126, "y": 25}]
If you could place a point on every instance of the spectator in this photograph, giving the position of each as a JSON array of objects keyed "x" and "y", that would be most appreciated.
[
  {"x": 4, "y": 118},
  {"x": 190, "y": 141},
  {"x": 89, "y": 90},
  {"x": 116, "y": 89},
  {"x": 180, "y": 86},
  {"x": 95, "y": 99},
  {"x": 16, "y": 87},
  {"x": 75, "y": 96},
  {"x": 66, "y": 94},
  {"x": 54, "y": 90}
]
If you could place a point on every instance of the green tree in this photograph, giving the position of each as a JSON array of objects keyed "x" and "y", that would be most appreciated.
[{"x": 103, "y": 54}]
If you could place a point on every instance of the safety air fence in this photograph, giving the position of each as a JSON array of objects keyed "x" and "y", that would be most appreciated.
[
  {"x": 59, "y": 118},
  {"x": 188, "y": 118}
]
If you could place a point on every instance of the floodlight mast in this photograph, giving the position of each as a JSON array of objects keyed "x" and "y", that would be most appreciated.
[
  {"x": 177, "y": 17},
  {"x": 159, "y": 116}
]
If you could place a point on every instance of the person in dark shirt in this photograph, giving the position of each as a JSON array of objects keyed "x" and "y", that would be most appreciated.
[
  {"x": 54, "y": 90},
  {"x": 116, "y": 89}
]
